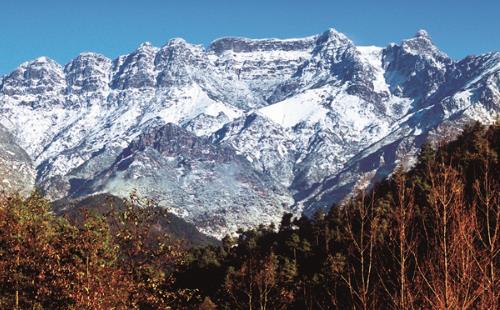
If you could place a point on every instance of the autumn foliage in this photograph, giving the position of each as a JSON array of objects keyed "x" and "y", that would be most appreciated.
[
  {"x": 427, "y": 238},
  {"x": 117, "y": 261}
]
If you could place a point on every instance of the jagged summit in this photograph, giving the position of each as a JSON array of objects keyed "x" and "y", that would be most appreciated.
[
  {"x": 42, "y": 61},
  {"x": 177, "y": 41},
  {"x": 243, "y": 130},
  {"x": 240, "y": 44},
  {"x": 145, "y": 47},
  {"x": 333, "y": 34},
  {"x": 145, "y": 44},
  {"x": 422, "y": 33},
  {"x": 422, "y": 44},
  {"x": 90, "y": 55}
]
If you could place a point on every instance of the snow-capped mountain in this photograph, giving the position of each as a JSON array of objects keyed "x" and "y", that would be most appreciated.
[{"x": 235, "y": 134}]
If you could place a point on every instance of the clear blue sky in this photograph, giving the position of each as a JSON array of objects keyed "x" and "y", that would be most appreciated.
[{"x": 61, "y": 29}]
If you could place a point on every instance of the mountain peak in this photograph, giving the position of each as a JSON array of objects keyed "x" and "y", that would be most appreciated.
[
  {"x": 176, "y": 41},
  {"x": 422, "y": 44},
  {"x": 42, "y": 61},
  {"x": 145, "y": 44},
  {"x": 87, "y": 59},
  {"x": 90, "y": 55},
  {"x": 422, "y": 33},
  {"x": 146, "y": 47},
  {"x": 334, "y": 33},
  {"x": 333, "y": 36},
  {"x": 422, "y": 37}
]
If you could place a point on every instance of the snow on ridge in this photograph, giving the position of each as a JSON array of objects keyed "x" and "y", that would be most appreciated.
[
  {"x": 193, "y": 103},
  {"x": 270, "y": 39},
  {"x": 372, "y": 55},
  {"x": 304, "y": 107}
]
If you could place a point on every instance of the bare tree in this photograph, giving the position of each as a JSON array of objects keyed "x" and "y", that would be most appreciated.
[
  {"x": 401, "y": 244},
  {"x": 486, "y": 213},
  {"x": 362, "y": 227}
]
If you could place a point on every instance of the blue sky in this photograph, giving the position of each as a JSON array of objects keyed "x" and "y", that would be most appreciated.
[{"x": 61, "y": 29}]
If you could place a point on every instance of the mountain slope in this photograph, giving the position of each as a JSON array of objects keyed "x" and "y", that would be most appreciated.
[
  {"x": 104, "y": 204},
  {"x": 304, "y": 120},
  {"x": 16, "y": 169}
]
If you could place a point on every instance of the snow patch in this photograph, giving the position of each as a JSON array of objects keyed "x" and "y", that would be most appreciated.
[
  {"x": 372, "y": 55},
  {"x": 304, "y": 107}
]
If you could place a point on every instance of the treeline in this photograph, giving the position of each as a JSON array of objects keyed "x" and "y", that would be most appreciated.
[
  {"x": 426, "y": 238},
  {"x": 423, "y": 239}
]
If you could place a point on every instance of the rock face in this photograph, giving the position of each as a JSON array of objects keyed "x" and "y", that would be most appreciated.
[
  {"x": 16, "y": 170},
  {"x": 236, "y": 133}
]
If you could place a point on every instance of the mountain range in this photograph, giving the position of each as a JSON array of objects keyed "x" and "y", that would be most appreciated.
[{"x": 234, "y": 134}]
